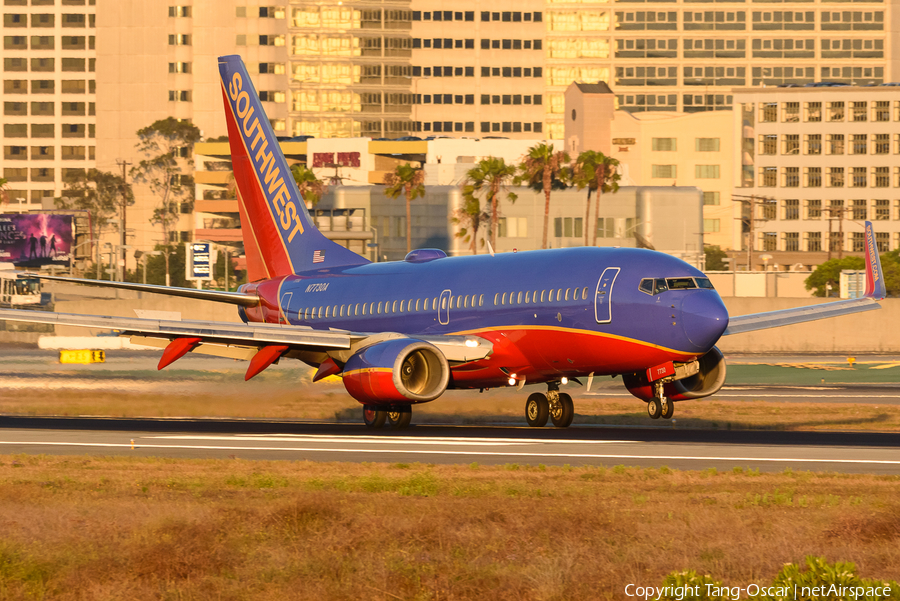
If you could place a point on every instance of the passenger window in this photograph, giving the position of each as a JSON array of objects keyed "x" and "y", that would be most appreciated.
[
  {"x": 372, "y": 308},
  {"x": 443, "y": 303},
  {"x": 481, "y": 300},
  {"x": 434, "y": 302},
  {"x": 401, "y": 305},
  {"x": 519, "y": 299},
  {"x": 543, "y": 292},
  {"x": 559, "y": 294},
  {"x": 474, "y": 298},
  {"x": 567, "y": 293},
  {"x": 379, "y": 308},
  {"x": 705, "y": 283},
  {"x": 527, "y": 297},
  {"x": 425, "y": 305},
  {"x": 503, "y": 299},
  {"x": 459, "y": 301},
  {"x": 327, "y": 311},
  {"x": 647, "y": 286},
  {"x": 466, "y": 301},
  {"x": 584, "y": 293},
  {"x": 364, "y": 308},
  {"x": 496, "y": 299},
  {"x": 660, "y": 286}
]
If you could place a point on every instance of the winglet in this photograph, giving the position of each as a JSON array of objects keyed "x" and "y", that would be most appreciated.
[{"x": 874, "y": 276}]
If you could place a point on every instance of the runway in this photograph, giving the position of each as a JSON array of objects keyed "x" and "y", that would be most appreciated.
[{"x": 869, "y": 452}]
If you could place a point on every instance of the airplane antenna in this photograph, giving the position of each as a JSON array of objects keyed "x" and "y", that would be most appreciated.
[{"x": 490, "y": 248}]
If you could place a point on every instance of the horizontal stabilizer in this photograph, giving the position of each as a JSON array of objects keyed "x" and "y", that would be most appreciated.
[{"x": 219, "y": 296}]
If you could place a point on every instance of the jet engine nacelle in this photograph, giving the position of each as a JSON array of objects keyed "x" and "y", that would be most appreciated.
[
  {"x": 708, "y": 380},
  {"x": 398, "y": 371}
]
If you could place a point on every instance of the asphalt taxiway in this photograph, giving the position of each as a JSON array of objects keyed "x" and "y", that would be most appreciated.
[{"x": 865, "y": 452}]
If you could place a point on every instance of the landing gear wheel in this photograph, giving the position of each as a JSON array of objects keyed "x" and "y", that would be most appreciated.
[
  {"x": 669, "y": 409},
  {"x": 399, "y": 417},
  {"x": 537, "y": 410},
  {"x": 562, "y": 411},
  {"x": 654, "y": 409},
  {"x": 373, "y": 417}
]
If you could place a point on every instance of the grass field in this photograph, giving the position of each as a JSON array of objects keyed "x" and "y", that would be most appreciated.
[{"x": 118, "y": 528}]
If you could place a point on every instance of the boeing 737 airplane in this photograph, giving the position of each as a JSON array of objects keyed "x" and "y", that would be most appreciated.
[{"x": 403, "y": 332}]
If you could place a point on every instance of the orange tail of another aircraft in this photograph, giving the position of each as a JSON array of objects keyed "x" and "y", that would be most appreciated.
[{"x": 279, "y": 236}]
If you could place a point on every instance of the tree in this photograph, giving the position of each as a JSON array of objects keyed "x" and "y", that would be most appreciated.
[
  {"x": 490, "y": 176},
  {"x": 101, "y": 194},
  {"x": 410, "y": 181},
  {"x": 825, "y": 279},
  {"x": 471, "y": 217},
  {"x": 312, "y": 189},
  {"x": 4, "y": 196},
  {"x": 544, "y": 169},
  {"x": 598, "y": 173},
  {"x": 714, "y": 258},
  {"x": 168, "y": 146}
]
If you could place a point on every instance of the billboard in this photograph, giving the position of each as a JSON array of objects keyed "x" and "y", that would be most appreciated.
[{"x": 34, "y": 240}]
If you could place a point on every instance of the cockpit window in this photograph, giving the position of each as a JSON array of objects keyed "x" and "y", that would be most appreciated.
[
  {"x": 681, "y": 283},
  {"x": 647, "y": 286},
  {"x": 660, "y": 286},
  {"x": 705, "y": 283}
]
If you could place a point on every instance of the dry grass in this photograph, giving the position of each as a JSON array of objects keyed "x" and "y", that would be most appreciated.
[
  {"x": 329, "y": 402},
  {"x": 119, "y": 528}
]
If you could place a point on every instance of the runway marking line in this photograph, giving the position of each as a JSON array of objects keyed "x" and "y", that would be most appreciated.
[
  {"x": 443, "y": 440},
  {"x": 466, "y": 453}
]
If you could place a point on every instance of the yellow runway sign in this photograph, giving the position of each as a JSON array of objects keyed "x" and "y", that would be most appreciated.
[{"x": 83, "y": 357}]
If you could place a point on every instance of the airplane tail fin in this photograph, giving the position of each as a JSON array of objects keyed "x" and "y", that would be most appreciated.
[
  {"x": 279, "y": 236},
  {"x": 874, "y": 276}
]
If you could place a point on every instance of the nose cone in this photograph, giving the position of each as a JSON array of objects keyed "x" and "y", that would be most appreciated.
[{"x": 704, "y": 318}]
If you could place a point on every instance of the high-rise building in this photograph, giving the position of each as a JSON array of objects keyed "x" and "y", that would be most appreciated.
[{"x": 49, "y": 96}]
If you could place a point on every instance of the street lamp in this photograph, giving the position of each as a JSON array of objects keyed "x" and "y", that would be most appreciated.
[{"x": 21, "y": 204}]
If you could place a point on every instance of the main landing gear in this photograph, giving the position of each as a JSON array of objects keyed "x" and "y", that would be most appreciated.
[
  {"x": 659, "y": 406},
  {"x": 396, "y": 416},
  {"x": 555, "y": 405}
]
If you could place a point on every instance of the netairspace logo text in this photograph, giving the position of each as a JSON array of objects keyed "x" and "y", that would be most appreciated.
[{"x": 834, "y": 591}]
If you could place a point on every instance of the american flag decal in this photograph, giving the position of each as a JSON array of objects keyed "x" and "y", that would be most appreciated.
[{"x": 318, "y": 256}]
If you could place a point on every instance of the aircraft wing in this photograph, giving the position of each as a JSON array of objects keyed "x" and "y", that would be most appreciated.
[
  {"x": 775, "y": 319},
  {"x": 247, "y": 341},
  {"x": 875, "y": 291}
]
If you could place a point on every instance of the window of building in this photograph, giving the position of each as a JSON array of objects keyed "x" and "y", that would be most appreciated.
[
  {"x": 706, "y": 171},
  {"x": 179, "y": 11},
  {"x": 859, "y": 178},
  {"x": 768, "y": 112},
  {"x": 813, "y": 111},
  {"x": 711, "y": 226},
  {"x": 859, "y": 110},
  {"x": 790, "y": 144},
  {"x": 859, "y": 144},
  {"x": 706, "y": 144},
  {"x": 882, "y": 210},
  {"x": 814, "y": 241},
  {"x": 881, "y": 143},
  {"x": 859, "y": 209},
  {"x": 791, "y": 177},
  {"x": 711, "y": 198},
  {"x": 858, "y": 241},
  {"x": 835, "y": 177},
  {"x": 836, "y": 111},
  {"x": 179, "y": 39},
  {"x": 768, "y": 177},
  {"x": 835, "y": 143},
  {"x": 791, "y": 209},
  {"x": 813, "y": 209},
  {"x": 792, "y": 241},
  {"x": 790, "y": 111},
  {"x": 769, "y": 241},
  {"x": 814, "y": 144},
  {"x": 881, "y": 177},
  {"x": 663, "y": 171},
  {"x": 768, "y": 144},
  {"x": 881, "y": 110}
]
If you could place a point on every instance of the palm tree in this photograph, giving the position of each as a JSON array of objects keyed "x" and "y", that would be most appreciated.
[
  {"x": 471, "y": 217},
  {"x": 410, "y": 181},
  {"x": 312, "y": 189},
  {"x": 596, "y": 172},
  {"x": 491, "y": 175},
  {"x": 544, "y": 169}
]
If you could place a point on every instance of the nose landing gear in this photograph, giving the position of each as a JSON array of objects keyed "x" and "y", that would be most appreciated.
[
  {"x": 660, "y": 406},
  {"x": 557, "y": 406}
]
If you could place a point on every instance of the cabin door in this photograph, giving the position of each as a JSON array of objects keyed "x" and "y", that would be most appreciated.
[
  {"x": 286, "y": 306},
  {"x": 603, "y": 298},
  {"x": 444, "y": 308}
]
